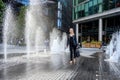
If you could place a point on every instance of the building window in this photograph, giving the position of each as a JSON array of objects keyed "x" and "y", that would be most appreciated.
[
  {"x": 91, "y": 10},
  {"x": 117, "y": 3},
  {"x": 96, "y": 9},
  {"x": 109, "y": 4},
  {"x": 79, "y": 1},
  {"x": 95, "y": 2},
  {"x": 81, "y": 14}
]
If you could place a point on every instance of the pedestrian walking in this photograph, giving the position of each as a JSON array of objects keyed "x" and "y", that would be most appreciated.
[{"x": 72, "y": 42}]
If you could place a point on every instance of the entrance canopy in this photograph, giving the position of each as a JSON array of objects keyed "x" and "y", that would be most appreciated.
[{"x": 105, "y": 14}]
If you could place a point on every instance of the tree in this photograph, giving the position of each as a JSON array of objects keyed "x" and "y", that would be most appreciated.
[{"x": 2, "y": 8}]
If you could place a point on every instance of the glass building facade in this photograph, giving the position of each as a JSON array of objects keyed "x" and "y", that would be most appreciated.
[
  {"x": 64, "y": 15},
  {"x": 96, "y": 19},
  {"x": 83, "y": 8},
  {"x": 25, "y": 2}
]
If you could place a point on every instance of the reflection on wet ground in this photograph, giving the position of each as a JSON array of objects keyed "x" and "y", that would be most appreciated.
[{"x": 55, "y": 67}]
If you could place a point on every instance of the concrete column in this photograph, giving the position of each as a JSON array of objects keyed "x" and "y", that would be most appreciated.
[
  {"x": 77, "y": 31},
  {"x": 81, "y": 34},
  {"x": 100, "y": 29}
]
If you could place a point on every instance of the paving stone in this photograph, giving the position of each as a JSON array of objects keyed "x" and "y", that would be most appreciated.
[{"x": 55, "y": 67}]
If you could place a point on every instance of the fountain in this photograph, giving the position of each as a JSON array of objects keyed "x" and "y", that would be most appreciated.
[
  {"x": 113, "y": 49},
  {"x": 9, "y": 30},
  {"x": 58, "y": 41},
  {"x": 113, "y": 54},
  {"x": 37, "y": 40},
  {"x": 37, "y": 31}
]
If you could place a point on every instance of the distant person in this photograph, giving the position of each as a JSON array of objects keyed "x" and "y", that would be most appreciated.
[
  {"x": 72, "y": 42},
  {"x": 47, "y": 43},
  {"x": 88, "y": 39}
]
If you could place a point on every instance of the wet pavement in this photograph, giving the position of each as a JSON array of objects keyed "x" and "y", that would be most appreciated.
[
  {"x": 56, "y": 67},
  {"x": 38, "y": 67}
]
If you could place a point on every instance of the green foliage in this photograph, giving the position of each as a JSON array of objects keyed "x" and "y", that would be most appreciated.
[
  {"x": 21, "y": 17},
  {"x": 84, "y": 42},
  {"x": 21, "y": 23},
  {"x": 2, "y": 9},
  {"x": 93, "y": 42}
]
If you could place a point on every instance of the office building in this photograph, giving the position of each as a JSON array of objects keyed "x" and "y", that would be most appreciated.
[{"x": 97, "y": 19}]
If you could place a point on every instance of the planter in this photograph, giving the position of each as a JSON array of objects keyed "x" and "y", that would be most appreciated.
[
  {"x": 92, "y": 45},
  {"x": 83, "y": 45},
  {"x": 98, "y": 46},
  {"x": 87, "y": 45}
]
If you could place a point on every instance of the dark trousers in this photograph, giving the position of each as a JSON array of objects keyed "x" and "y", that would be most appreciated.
[{"x": 72, "y": 52}]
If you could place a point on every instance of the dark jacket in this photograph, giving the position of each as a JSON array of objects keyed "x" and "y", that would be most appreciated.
[{"x": 73, "y": 40}]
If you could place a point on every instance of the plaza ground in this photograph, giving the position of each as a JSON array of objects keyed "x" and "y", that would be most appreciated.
[{"x": 46, "y": 66}]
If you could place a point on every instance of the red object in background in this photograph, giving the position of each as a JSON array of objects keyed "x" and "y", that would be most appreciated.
[{"x": 118, "y": 4}]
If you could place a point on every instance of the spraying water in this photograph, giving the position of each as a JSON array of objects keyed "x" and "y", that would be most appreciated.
[
  {"x": 8, "y": 29},
  {"x": 113, "y": 49},
  {"x": 113, "y": 54},
  {"x": 37, "y": 40},
  {"x": 36, "y": 29},
  {"x": 58, "y": 41}
]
